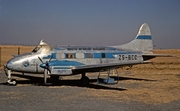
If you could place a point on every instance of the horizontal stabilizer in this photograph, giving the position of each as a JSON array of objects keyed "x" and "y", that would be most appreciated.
[
  {"x": 158, "y": 55},
  {"x": 151, "y": 56}
]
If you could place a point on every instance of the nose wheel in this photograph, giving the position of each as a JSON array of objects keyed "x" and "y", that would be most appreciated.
[{"x": 12, "y": 82}]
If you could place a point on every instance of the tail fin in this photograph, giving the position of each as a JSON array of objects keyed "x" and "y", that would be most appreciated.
[{"x": 142, "y": 42}]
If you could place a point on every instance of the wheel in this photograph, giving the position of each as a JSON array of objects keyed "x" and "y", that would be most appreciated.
[
  {"x": 13, "y": 82},
  {"x": 85, "y": 80}
]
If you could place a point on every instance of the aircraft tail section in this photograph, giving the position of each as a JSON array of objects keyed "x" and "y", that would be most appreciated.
[{"x": 142, "y": 42}]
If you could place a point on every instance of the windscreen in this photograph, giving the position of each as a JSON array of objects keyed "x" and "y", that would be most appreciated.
[
  {"x": 42, "y": 48},
  {"x": 36, "y": 48}
]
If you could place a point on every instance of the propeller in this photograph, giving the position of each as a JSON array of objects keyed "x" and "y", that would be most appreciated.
[
  {"x": 45, "y": 75},
  {"x": 46, "y": 68}
]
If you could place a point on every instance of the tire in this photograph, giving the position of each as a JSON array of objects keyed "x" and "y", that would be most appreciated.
[
  {"x": 85, "y": 81},
  {"x": 14, "y": 82}
]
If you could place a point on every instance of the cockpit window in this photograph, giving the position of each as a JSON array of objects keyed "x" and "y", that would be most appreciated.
[{"x": 36, "y": 48}]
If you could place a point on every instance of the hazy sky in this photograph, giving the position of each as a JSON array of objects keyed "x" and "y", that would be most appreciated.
[{"x": 88, "y": 22}]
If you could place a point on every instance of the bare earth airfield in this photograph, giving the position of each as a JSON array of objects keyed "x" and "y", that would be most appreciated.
[{"x": 146, "y": 87}]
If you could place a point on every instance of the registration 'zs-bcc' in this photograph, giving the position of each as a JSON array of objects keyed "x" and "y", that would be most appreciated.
[{"x": 127, "y": 57}]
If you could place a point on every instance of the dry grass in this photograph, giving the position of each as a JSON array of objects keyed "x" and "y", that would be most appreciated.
[
  {"x": 6, "y": 52},
  {"x": 155, "y": 83},
  {"x": 146, "y": 86}
]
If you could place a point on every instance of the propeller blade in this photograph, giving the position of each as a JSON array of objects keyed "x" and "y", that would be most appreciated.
[
  {"x": 46, "y": 63},
  {"x": 49, "y": 70},
  {"x": 45, "y": 75},
  {"x": 51, "y": 57},
  {"x": 40, "y": 59}
]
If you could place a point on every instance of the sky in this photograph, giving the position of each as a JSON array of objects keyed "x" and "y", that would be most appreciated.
[{"x": 89, "y": 22}]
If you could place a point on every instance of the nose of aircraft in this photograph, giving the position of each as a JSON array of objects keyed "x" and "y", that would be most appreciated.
[{"x": 9, "y": 65}]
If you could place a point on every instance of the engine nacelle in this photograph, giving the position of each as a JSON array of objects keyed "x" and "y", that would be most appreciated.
[{"x": 57, "y": 70}]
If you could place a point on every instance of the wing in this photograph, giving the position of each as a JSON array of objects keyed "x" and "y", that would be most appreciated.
[{"x": 99, "y": 67}]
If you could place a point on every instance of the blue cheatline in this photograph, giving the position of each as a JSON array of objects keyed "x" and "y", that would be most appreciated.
[
  {"x": 144, "y": 37},
  {"x": 65, "y": 63}
]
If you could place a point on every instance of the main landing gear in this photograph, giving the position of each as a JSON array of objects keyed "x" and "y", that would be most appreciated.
[
  {"x": 84, "y": 79},
  {"x": 103, "y": 78}
]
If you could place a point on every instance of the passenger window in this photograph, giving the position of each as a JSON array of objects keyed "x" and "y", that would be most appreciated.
[
  {"x": 60, "y": 55},
  {"x": 70, "y": 56},
  {"x": 103, "y": 55},
  {"x": 88, "y": 55},
  {"x": 80, "y": 55}
]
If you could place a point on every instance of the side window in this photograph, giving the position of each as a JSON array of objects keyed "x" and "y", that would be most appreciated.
[
  {"x": 103, "y": 55},
  {"x": 80, "y": 55},
  {"x": 60, "y": 55},
  {"x": 88, "y": 55},
  {"x": 70, "y": 56}
]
